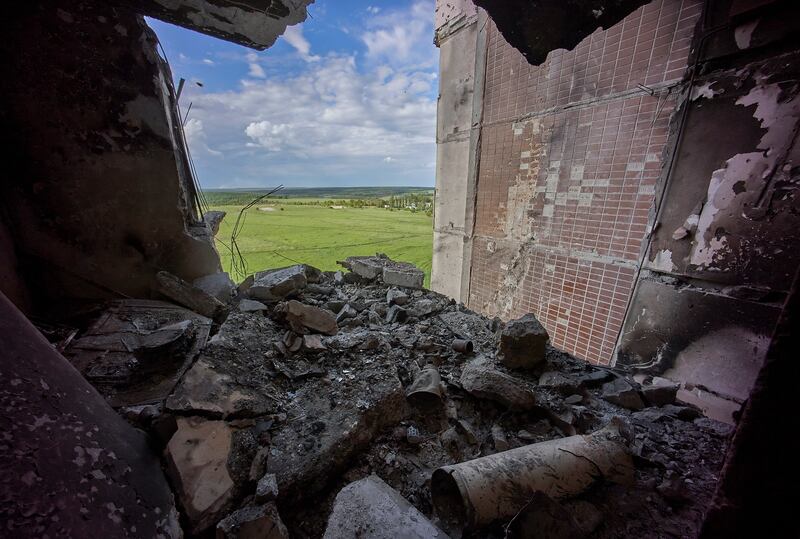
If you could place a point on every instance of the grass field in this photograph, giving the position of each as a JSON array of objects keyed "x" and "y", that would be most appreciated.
[{"x": 320, "y": 236}]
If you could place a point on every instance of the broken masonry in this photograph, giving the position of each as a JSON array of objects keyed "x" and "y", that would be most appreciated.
[{"x": 357, "y": 403}]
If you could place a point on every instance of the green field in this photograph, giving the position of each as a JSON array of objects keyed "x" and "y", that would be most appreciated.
[{"x": 320, "y": 236}]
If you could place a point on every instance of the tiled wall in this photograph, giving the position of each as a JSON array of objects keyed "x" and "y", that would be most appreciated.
[{"x": 569, "y": 158}]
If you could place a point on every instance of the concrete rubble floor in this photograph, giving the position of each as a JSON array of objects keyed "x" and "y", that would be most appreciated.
[{"x": 262, "y": 419}]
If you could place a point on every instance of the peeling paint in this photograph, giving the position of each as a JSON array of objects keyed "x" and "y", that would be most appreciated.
[{"x": 662, "y": 261}]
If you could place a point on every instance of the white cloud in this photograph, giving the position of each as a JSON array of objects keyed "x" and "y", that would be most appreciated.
[
  {"x": 337, "y": 120},
  {"x": 256, "y": 71},
  {"x": 208, "y": 61},
  {"x": 196, "y": 136},
  {"x": 402, "y": 36},
  {"x": 373, "y": 9},
  {"x": 294, "y": 37}
]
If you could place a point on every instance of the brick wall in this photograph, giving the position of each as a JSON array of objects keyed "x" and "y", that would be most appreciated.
[{"x": 570, "y": 153}]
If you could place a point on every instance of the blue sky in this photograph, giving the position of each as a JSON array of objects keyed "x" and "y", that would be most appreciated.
[{"x": 347, "y": 98}]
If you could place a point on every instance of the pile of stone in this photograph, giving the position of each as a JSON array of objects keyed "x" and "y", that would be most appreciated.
[{"x": 324, "y": 402}]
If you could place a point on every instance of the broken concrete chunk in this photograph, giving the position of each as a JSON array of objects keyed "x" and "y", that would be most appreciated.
[
  {"x": 346, "y": 312},
  {"x": 403, "y": 274},
  {"x": 189, "y": 296},
  {"x": 396, "y": 314},
  {"x": 136, "y": 351},
  {"x": 522, "y": 343},
  {"x": 313, "y": 343},
  {"x": 559, "y": 381},
  {"x": 197, "y": 457},
  {"x": 396, "y": 297},
  {"x": 623, "y": 394},
  {"x": 465, "y": 428},
  {"x": 213, "y": 220},
  {"x": 424, "y": 307},
  {"x": 594, "y": 378},
  {"x": 278, "y": 284},
  {"x": 308, "y": 316},
  {"x": 660, "y": 392},
  {"x": 336, "y": 423},
  {"x": 366, "y": 267},
  {"x": 253, "y": 522},
  {"x": 267, "y": 488},
  {"x": 371, "y": 509},
  {"x": 218, "y": 285},
  {"x": 251, "y": 306},
  {"x": 229, "y": 378},
  {"x": 481, "y": 379},
  {"x": 499, "y": 438}
]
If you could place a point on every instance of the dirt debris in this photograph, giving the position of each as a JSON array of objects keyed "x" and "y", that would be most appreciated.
[{"x": 311, "y": 382}]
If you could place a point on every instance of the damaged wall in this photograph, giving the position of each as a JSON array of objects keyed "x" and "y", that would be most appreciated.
[
  {"x": 645, "y": 178},
  {"x": 569, "y": 154},
  {"x": 96, "y": 191},
  {"x": 723, "y": 247}
]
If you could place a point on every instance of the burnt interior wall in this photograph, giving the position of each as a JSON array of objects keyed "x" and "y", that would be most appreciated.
[
  {"x": 570, "y": 153},
  {"x": 95, "y": 192},
  {"x": 723, "y": 248},
  {"x": 568, "y": 22}
]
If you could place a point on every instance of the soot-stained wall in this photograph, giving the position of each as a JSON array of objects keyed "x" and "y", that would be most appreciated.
[
  {"x": 96, "y": 193},
  {"x": 637, "y": 193},
  {"x": 723, "y": 249}
]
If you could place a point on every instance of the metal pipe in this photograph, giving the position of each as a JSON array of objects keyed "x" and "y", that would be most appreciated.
[
  {"x": 474, "y": 493},
  {"x": 463, "y": 346},
  {"x": 426, "y": 390}
]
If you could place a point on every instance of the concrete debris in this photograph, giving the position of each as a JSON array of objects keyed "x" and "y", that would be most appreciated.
[
  {"x": 231, "y": 378},
  {"x": 396, "y": 297},
  {"x": 366, "y": 267},
  {"x": 303, "y": 318},
  {"x": 189, "y": 296},
  {"x": 371, "y": 509},
  {"x": 522, "y": 343},
  {"x": 213, "y": 219},
  {"x": 286, "y": 399},
  {"x": 267, "y": 488},
  {"x": 392, "y": 273},
  {"x": 136, "y": 350},
  {"x": 218, "y": 285},
  {"x": 251, "y": 306},
  {"x": 482, "y": 379},
  {"x": 499, "y": 438},
  {"x": 660, "y": 391},
  {"x": 278, "y": 284},
  {"x": 396, "y": 314},
  {"x": 253, "y": 522},
  {"x": 197, "y": 457},
  {"x": 403, "y": 274},
  {"x": 622, "y": 393}
]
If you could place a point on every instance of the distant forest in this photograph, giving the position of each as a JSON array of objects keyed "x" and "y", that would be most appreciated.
[{"x": 235, "y": 197}]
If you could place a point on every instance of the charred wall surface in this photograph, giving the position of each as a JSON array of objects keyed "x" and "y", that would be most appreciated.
[
  {"x": 96, "y": 192},
  {"x": 723, "y": 249}
]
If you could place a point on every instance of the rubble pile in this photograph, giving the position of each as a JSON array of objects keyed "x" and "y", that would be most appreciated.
[{"x": 352, "y": 404}]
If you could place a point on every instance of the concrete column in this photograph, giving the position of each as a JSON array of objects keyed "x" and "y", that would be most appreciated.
[{"x": 461, "y": 37}]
